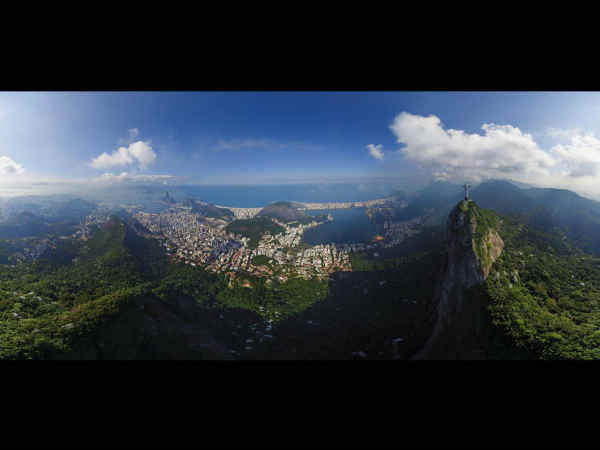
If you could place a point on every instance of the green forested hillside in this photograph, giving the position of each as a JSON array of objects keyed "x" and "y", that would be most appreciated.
[
  {"x": 254, "y": 228},
  {"x": 68, "y": 292},
  {"x": 543, "y": 300},
  {"x": 545, "y": 294},
  {"x": 81, "y": 287}
]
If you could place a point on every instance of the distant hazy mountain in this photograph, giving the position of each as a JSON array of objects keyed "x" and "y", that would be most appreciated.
[
  {"x": 22, "y": 225},
  {"x": 544, "y": 208},
  {"x": 168, "y": 199},
  {"x": 74, "y": 208},
  {"x": 399, "y": 195},
  {"x": 502, "y": 197},
  {"x": 440, "y": 196}
]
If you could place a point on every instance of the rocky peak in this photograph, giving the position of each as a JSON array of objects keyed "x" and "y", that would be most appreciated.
[
  {"x": 168, "y": 199},
  {"x": 472, "y": 246}
]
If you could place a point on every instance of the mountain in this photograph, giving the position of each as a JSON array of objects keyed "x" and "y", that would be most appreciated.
[
  {"x": 23, "y": 224},
  {"x": 74, "y": 209},
  {"x": 551, "y": 210},
  {"x": 112, "y": 296},
  {"x": 284, "y": 211},
  {"x": 168, "y": 199},
  {"x": 577, "y": 217},
  {"x": 439, "y": 196},
  {"x": 503, "y": 197},
  {"x": 508, "y": 288},
  {"x": 472, "y": 246},
  {"x": 207, "y": 209},
  {"x": 398, "y": 195}
]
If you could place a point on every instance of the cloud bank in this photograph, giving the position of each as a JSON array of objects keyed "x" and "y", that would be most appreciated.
[
  {"x": 139, "y": 153},
  {"x": 135, "y": 178},
  {"x": 500, "y": 151}
]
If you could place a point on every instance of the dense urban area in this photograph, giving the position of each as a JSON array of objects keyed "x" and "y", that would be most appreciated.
[{"x": 203, "y": 241}]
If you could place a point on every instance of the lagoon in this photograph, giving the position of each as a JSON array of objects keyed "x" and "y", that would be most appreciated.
[{"x": 348, "y": 226}]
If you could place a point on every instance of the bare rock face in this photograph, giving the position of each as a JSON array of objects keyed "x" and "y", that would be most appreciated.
[{"x": 472, "y": 244}]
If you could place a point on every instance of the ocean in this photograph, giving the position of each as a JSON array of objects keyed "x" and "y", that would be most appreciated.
[{"x": 261, "y": 195}]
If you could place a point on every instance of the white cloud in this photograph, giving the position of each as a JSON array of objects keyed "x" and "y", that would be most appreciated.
[
  {"x": 563, "y": 132},
  {"x": 10, "y": 167},
  {"x": 143, "y": 153},
  {"x": 376, "y": 151},
  {"x": 138, "y": 152},
  {"x": 111, "y": 178},
  {"x": 502, "y": 151},
  {"x": 580, "y": 158}
]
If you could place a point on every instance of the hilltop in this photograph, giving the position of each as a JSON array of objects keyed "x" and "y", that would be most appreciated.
[
  {"x": 254, "y": 228},
  {"x": 168, "y": 199},
  {"x": 509, "y": 288},
  {"x": 103, "y": 298},
  {"x": 208, "y": 209},
  {"x": 283, "y": 211},
  {"x": 548, "y": 209},
  {"x": 472, "y": 246}
]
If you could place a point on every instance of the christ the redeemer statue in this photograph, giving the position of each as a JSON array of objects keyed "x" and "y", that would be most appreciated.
[{"x": 466, "y": 186}]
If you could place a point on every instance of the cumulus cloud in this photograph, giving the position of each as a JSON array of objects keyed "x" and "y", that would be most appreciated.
[
  {"x": 563, "y": 132},
  {"x": 375, "y": 151},
  {"x": 9, "y": 167},
  {"x": 579, "y": 158},
  {"x": 139, "y": 153},
  {"x": 501, "y": 151}
]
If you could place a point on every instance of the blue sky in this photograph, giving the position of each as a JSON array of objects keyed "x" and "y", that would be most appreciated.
[{"x": 269, "y": 137}]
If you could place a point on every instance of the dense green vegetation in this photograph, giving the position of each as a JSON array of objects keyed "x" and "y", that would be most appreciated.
[
  {"x": 7, "y": 249},
  {"x": 71, "y": 290},
  {"x": 276, "y": 300},
  {"x": 542, "y": 294},
  {"x": 260, "y": 260},
  {"x": 47, "y": 307},
  {"x": 486, "y": 221},
  {"x": 365, "y": 310},
  {"x": 545, "y": 294},
  {"x": 254, "y": 228}
]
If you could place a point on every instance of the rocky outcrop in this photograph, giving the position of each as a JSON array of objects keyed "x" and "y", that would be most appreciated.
[
  {"x": 168, "y": 199},
  {"x": 472, "y": 246}
]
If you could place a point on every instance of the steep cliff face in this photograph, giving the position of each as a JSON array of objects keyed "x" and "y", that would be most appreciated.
[{"x": 472, "y": 246}]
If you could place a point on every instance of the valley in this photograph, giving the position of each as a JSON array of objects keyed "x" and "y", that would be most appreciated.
[{"x": 194, "y": 282}]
